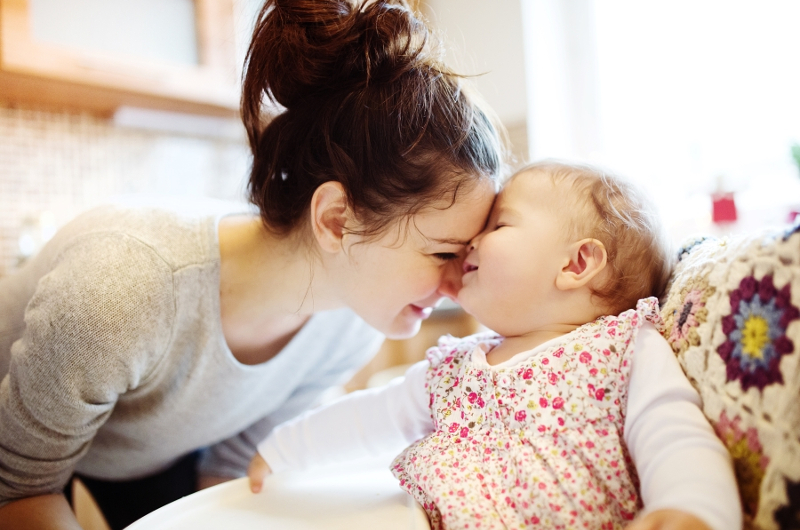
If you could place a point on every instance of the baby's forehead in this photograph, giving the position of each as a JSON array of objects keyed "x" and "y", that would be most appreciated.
[
  {"x": 535, "y": 185},
  {"x": 539, "y": 188}
]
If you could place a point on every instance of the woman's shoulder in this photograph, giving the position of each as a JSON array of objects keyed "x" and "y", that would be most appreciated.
[
  {"x": 181, "y": 235},
  {"x": 119, "y": 265},
  {"x": 107, "y": 277},
  {"x": 102, "y": 300}
]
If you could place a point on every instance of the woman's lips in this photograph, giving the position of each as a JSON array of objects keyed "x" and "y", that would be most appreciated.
[{"x": 421, "y": 312}]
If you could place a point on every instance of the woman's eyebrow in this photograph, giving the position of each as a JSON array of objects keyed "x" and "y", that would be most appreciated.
[{"x": 449, "y": 241}]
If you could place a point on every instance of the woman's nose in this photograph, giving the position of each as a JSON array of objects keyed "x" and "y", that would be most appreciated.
[{"x": 451, "y": 279}]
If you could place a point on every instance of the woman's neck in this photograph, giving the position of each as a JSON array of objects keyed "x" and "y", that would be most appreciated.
[{"x": 269, "y": 288}]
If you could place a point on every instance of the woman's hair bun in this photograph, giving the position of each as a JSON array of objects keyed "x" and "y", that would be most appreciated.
[
  {"x": 316, "y": 48},
  {"x": 368, "y": 103}
]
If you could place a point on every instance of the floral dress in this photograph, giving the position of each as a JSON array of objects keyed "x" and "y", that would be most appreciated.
[{"x": 536, "y": 442}]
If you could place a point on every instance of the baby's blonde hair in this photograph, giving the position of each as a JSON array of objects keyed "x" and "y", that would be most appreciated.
[{"x": 626, "y": 222}]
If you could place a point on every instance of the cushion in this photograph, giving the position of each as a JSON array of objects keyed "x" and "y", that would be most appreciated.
[{"x": 732, "y": 318}]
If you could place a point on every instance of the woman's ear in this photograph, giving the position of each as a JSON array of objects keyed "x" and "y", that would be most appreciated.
[
  {"x": 586, "y": 259},
  {"x": 329, "y": 215}
]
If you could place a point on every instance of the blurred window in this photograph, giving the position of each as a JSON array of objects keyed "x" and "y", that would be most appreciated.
[{"x": 683, "y": 96}]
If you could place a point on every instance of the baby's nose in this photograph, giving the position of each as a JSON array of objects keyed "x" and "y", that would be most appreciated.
[{"x": 473, "y": 244}]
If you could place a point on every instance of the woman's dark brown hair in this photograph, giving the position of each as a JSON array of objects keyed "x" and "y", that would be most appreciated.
[{"x": 367, "y": 103}]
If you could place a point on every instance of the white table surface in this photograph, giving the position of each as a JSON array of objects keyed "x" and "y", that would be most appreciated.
[{"x": 356, "y": 496}]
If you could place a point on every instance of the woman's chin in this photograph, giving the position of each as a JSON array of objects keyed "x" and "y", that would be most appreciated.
[
  {"x": 402, "y": 334},
  {"x": 404, "y": 326}
]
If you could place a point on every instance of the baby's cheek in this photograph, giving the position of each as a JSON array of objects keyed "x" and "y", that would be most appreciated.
[{"x": 468, "y": 300}]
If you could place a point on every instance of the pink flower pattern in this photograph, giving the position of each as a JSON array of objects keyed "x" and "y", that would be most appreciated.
[
  {"x": 532, "y": 444},
  {"x": 688, "y": 316}
]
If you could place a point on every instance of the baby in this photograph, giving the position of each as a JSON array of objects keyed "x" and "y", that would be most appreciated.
[{"x": 573, "y": 411}]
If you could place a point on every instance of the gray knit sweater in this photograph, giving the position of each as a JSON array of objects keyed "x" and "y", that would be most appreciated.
[{"x": 113, "y": 362}]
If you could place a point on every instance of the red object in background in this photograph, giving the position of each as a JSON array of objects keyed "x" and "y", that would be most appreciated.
[{"x": 723, "y": 208}]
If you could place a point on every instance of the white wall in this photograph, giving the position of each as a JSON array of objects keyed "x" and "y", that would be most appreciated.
[{"x": 485, "y": 36}]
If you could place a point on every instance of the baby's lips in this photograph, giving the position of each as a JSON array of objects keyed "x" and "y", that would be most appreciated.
[{"x": 468, "y": 267}]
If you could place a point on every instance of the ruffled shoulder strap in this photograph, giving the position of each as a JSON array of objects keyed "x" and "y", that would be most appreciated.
[
  {"x": 647, "y": 308},
  {"x": 449, "y": 347}
]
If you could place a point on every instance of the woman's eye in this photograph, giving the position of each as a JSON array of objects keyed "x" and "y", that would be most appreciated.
[{"x": 445, "y": 256}]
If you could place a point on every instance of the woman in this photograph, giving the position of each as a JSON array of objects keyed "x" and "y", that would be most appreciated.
[{"x": 137, "y": 338}]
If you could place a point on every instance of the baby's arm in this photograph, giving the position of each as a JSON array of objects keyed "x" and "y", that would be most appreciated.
[
  {"x": 368, "y": 422},
  {"x": 682, "y": 465}
]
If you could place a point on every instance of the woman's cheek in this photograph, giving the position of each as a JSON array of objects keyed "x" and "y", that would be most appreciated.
[{"x": 417, "y": 281}]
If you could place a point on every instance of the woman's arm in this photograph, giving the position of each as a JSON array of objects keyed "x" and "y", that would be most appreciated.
[
  {"x": 681, "y": 463},
  {"x": 43, "y": 512},
  {"x": 96, "y": 325}
]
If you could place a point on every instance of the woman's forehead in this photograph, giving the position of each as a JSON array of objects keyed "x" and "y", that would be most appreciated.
[{"x": 459, "y": 222}]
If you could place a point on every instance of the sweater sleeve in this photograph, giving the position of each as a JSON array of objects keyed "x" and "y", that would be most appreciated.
[
  {"x": 680, "y": 462},
  {"x": 370, "y": 422},
  {"x": 95, "y": 327}
]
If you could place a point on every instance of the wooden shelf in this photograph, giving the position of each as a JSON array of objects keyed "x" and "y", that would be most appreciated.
[{"x": 43, "y": 73}]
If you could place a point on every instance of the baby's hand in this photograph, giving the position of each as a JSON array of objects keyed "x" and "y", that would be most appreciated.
[
  {"x": 668, "y": 520},
  {"x": 257, "y": 471}
]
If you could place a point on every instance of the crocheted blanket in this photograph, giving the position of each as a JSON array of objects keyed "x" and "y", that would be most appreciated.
[{"x": 732, "y": 317}]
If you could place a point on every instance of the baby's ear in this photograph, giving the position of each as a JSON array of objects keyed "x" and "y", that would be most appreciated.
[{"x": 585, "y": 260}]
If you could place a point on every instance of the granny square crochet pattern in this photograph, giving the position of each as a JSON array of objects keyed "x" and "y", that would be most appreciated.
[{"x": 732, "y": 318}]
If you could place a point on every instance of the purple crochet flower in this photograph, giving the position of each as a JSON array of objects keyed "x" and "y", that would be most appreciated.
[{"x": 756, "y": 332}]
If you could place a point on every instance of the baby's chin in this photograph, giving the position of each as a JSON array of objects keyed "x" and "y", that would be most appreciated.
[{"x": 481, "y": 313}]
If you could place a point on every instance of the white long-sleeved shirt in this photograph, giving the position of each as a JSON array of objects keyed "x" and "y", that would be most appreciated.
[{"x": 680, "y": 462}]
